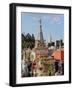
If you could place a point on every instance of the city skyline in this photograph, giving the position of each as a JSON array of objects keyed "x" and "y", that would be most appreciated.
[{"x": 52, "y": 25}]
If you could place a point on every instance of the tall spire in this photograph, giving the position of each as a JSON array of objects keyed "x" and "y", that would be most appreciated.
[
  {"x": 40, "y": 33},
  {"x": 40, "y": 25},
  {"x": 50, "y": 38}
]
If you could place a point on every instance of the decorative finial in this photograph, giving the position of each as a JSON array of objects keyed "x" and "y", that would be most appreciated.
[{"x": 40, "y": 21}]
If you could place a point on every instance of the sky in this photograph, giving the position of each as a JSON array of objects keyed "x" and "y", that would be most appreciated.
[{"x": 52, "y": 24}]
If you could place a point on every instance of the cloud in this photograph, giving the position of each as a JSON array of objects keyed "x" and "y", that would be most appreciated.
[
  {"x": 55, "y": 19},
  {"x": 45, "y": 17}
]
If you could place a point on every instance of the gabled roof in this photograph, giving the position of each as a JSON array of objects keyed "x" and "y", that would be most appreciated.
[{"x": 58, "y": 54}]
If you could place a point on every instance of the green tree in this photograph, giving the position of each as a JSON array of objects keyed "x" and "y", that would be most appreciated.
[{"x": 28, "y": 41}]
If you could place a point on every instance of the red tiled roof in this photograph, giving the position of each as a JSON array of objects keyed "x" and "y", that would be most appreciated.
[{"x": 58, "y": 54}]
